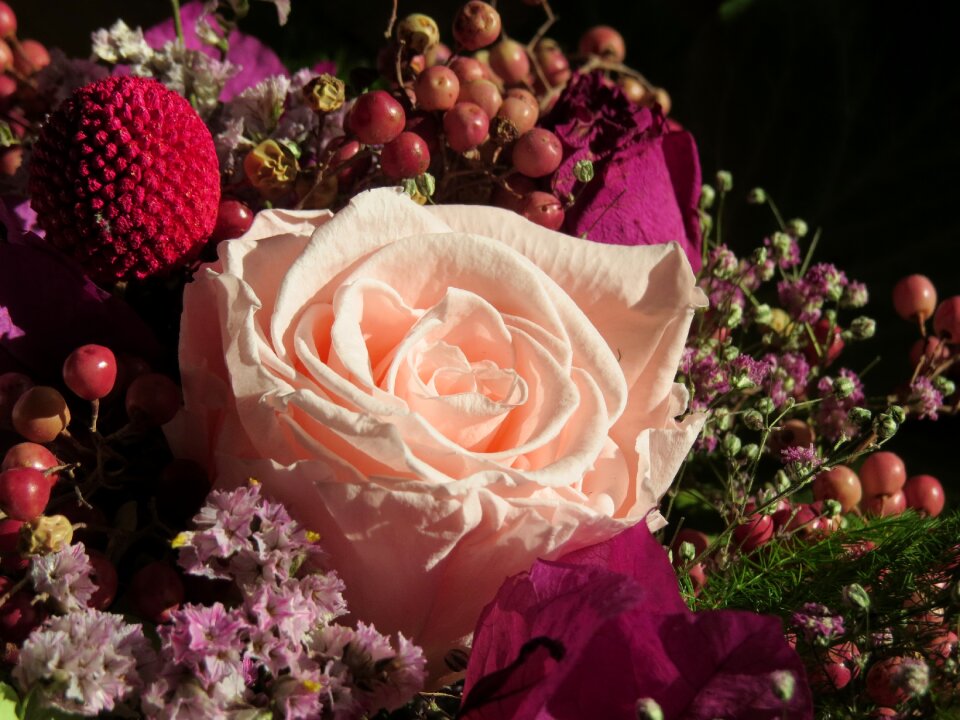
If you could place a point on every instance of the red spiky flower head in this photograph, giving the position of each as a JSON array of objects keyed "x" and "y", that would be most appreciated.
[{"x": 124, "y": 177}]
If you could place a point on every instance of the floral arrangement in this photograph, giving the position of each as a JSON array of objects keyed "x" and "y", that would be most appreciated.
[{"x": 436, "y": 390}]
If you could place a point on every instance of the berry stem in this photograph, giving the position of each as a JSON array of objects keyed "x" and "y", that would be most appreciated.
[
  {"x": 19, "y": 585},
  {"x": 393, "y": 20},
  {"x": 542, "y": 30},
  {"x": 94, "y": 414},
  {"x": 178, "y": 22}
]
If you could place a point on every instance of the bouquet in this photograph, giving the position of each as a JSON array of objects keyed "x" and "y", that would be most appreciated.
[{"x": 437, "y": 389}]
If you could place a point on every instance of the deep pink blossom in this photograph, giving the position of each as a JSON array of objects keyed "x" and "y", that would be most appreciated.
[{"x": 594, "y": 632}]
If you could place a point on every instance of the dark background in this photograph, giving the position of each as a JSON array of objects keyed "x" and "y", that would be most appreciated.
[{"x": 845, "y": 111}]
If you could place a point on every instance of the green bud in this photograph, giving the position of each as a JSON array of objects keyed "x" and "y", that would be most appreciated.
[
  {"x": 781, "y": 481},
  {"x": 945, "y": 385},
  {"x": 724, "y": 181},
  {"x": 855, "y": 596},
  {"x": 797, "y": 227},
  {"x": 886, "y": 426},
  {"x": 735, "y": 317},
  {"x": 426, "y": 184},
  {"x": 843, "y": 387},
  {"x": 722, "y": 418},
  {"x": 730, "y": 353},
  {"x": 706, "y": 222},
  {"x": 859, "y": 415},
  {"x": 751, "y": 452},
  {"x": 731, "y": 445},
  {"x": 753, "y": 420},
  {"x": 707, "y": 196},
  {"x": 757, "y": 196},
  {"x": 897, "y": 413},
  {"x": 648, "y": 709},
  {"x": 784, "y": 684},
  {"x": 765, "y": 405},
  {"x": 863, "y": 328},
  {"x": 831, "y": 508},
  {"x": 687, "y": 551},
  {"x": 762, "y": 314},
  {"x": 759, "y": 255},
  {"x": 781, "y": 242},
  {"x": 583, "y": 171}
]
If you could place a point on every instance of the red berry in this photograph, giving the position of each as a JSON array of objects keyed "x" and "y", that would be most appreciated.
[
  {"x": 41, "y": 414},
  {"x": 635, "y": 90},
  {"x": 839, "y": 483},
  {"x": 24, "y": 493},
  {"x": 28, "y": 454},
  {"x": 483, "y": 93},
  {"x": 509, "y": 60},
  {"x": 6, "y": 56},
  {"x": 543, "y": 209},
  {"x": 437, "y": 88},
  {"x": 603, "y": 41},
  {"x": 156, "y": 590},
  {"x": 885, "y": 505},
  {"x": 466, "y": 126},
  {"x": 437, "y": 55},
  {"x": 755, "y": 531},
  {"x": 925, "y": 494},
  {"x": 405, "y": 156},
  {"x": 537, "y": 153},
  {"x": 375, "y": 118},
  {"x": 476, "y": 25},
  {"x": 698, "y": 577},
  {"x": 11, "y": 560},
  {"x": 836, "y": 668},
  {"x": 512, "y": 194},
  {"x": 339, "y": 155},
  {"x": 883, "y": 682},
  {"x": 31, "y": 57},
  {"x": 553, "y": 62},
  {"x": 831, "y": 350},
  {"x": 696, "y": 538},
  {"x": 946, "y": 321},
  {"x": 10, "y": 161},
  {"x": 803, "y": 520},
  {"x": 8, "y": 21},
  {"x": 104, "y": 576},
  {"x": 90, "y": 371},
  {"x": 12, "y": 386},
  {"x": 466, "y": 69},
  {"x": 882, "y": 473},
  {"x": 8, "y": 87},
  {"x": 519, "y": 113},
  {"x": 18, "y": 615},
  {"x": 932, "y": 349},
  {"x": 234, "y": 218},
  {"x": 914, "y": 297},
  {"x": 152, "y": 400}
]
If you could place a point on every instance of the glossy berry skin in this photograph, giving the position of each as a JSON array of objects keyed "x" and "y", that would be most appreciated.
[
  {"x": 518, "y": 112},
  {"x": 152, "y": 400},
  {"x": 41, "y": 414},
  {"x": 882, "y": 473},
  {"x": 914, "y": 297},
  {"x": 375, "y": 118},
  {"x": 466, "y": 126},
  {"x": 234, "y": 218},
  {"x": 32, "y": 455},
  {"x": 8, "y": 21},
  {"x": 604, "y": 41},
  {"x": 339, "y": 153},
  {"x": 509, "y": 60},
  {"x": 24, "y": 493},
  {"x": 839, "y": 483},
  {"x": 481, "y": 92},
  {"x": 12, "y": 386},
  {"x": 882, "y": 685},
  {"x": 476, "y": 25},
  {"x": 437, "y": 88},
  {"x": 924, "y": 494},
  {"x": 537, "y": 153},
  {"x": 90, "y": 371},
  {"x": 885, "y": 505},
  {"x": 11, "y": 561},
  {"x": 406, "y": 156},
  {"x": 946, "y": 321},
  {"x": 755, "y": 531},
  {"x": 104, "y": 576},
  {"x": 543, "y": 209},
  {"x": 156, "y": 590}
]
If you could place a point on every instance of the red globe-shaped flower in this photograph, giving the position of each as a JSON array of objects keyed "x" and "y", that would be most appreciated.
[{"x": 124, "y": 178}]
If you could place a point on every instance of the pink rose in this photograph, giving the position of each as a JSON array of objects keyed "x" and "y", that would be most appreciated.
[{"x": 445, "y": 394}]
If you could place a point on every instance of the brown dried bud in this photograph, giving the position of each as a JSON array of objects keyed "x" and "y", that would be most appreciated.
[
  {"x": 503, "y": 132},
  {"x": 271, "y": 169},
  {"x": 46, "y": 534},
  {"x": 325, "y": 93}
]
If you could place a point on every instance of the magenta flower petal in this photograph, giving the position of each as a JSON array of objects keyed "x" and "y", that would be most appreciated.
[
  {"x": 257, "y": 61},
  {"x": 590, "y": 634}
]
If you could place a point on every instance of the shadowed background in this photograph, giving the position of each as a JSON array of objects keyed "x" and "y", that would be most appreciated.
[{"x": 845, "y": 112}]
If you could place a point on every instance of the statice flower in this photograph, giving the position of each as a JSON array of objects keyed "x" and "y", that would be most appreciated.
[
  {"x": 121, "y": 44},
  {"x": 192, "y": 73},
  {"x": 818, "y": 624},
  {"x": 64, "y": 577},
  {"x": 85, "y": 662},
  {"x": 787, "y": 377},
  {"x": 833, "y": 412},
  {"x": 208, "y": 642},
  {"x": 300, "y": 696},
  {"x": 925, "y": 399}
]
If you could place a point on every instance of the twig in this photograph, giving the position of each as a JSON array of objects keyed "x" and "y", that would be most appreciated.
[{"x": 393, "y": 20}]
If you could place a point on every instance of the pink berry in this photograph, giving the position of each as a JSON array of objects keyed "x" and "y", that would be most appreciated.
[
  {"x": 839, "y": 483},
  {"x": 24, "y": 493},
  {"x": 553, "y": 62},
  {"x": 884, "y": 686},
  {"x": 509, "y": 60},
  {"x": 437, "y": 88},
  {"x": 466, "y": 69},
  {"x": 11, "y": 560},
  {"x": 6, "y": 56},
  {"x": 476, "y": 25},
  {"x": 885, "y": 505},
  {"x": 946, "y": 321},
  {"x": 803, "y": 520},
  {"x": 8, "y": 87},
  {"x": 914, "y": 297},
  {"x": 339, "y": 154},
  {"x": 28, "y": 454},
  {"x": 104, "y": 576},
  {"x": 8, "y": 21},
  {"x": 519, "y": 113},
  {"x": 31, "y": 57},
  {"x": 925, "y": 494},
  {"x": 152, "y": 400},
  {"x": 755, "y": 531},
  {"x": 234, "y": 218},
  {"x": 156, "y": 590},
  {"x": 483, "y": 93},
  {"x": 537, "y": 153},
  {"x": 375, "y": 118},
  {"x": 466, "y": 126},
  {"x": 603, "y": 41},
  {"x": 405, "y": 156},
  {"x": 543, "y": 209},
  {"x": 90, "y": 371},
  {"x": 18, "y": 615},
  {"x": 698, "y": 576},
  {"x": 882, "y": 473},
  {"x": 437, "y": 55},
  {"x": 12, "y": 386},
  {"x": 41, "y": 414},
  {"x": 181, "y": 489}
]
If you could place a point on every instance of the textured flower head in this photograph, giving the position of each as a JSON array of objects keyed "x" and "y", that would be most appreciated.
[{"x": 64, "y": 577}]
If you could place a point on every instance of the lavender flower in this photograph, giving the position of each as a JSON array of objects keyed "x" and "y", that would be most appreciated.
[
  {"x": 64, "y": 577},
  {"x": 85, "y": 662},
  {"x": 818, "y": 624}
]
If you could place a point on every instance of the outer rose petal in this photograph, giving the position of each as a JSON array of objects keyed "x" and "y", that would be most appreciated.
[{"x": 422, "y": 530}]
